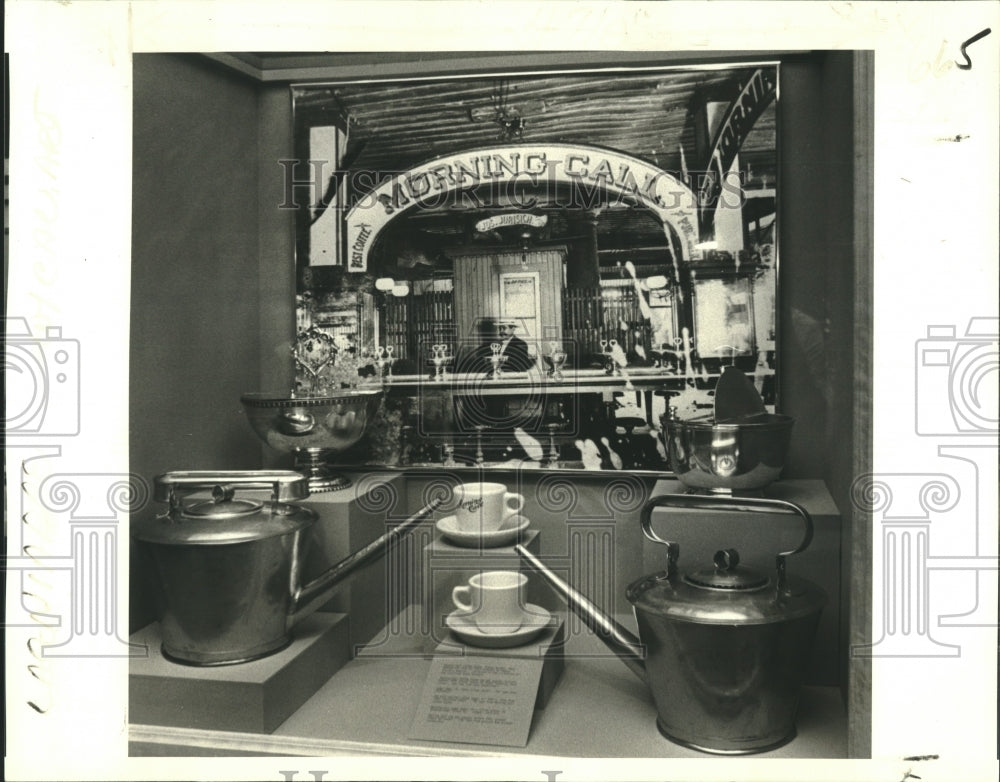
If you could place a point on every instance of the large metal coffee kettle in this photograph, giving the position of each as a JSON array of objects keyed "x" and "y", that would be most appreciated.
[
  {"x": 228, "y": 569},
  {"x": 724, "y": 649}
]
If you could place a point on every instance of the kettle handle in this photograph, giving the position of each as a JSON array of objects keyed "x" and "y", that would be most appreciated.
[
  {"x": 714, "y": 502},
  {"x": 284, "y": 484}
]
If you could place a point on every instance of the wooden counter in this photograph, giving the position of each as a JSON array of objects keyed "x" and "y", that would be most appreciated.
[{"x": 574, "y": 381}]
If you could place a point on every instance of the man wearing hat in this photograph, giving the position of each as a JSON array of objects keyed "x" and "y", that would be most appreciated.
[{"x": 513, "y": 347}]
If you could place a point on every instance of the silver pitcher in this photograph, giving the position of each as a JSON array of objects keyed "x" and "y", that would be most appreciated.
[
  {"x": 228, "y": 569},
  {"x": 723, "y": 650}
]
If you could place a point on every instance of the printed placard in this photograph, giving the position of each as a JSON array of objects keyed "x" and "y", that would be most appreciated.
[{"x": 478, "y": 700}]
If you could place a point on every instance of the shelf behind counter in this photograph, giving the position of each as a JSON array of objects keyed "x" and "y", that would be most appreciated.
[{"x": 574, "y": 381}]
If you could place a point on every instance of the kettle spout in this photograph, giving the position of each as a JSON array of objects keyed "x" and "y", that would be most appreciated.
[
  {"x": 309, "y": 598},
  {"x": 619, "y": 640}
]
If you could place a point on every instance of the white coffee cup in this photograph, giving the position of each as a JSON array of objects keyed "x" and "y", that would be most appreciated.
[
  {"x": 495, "y": 600},
  {"x": 485, "y": 507}
]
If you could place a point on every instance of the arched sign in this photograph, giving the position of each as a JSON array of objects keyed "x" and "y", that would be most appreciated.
[
  {"x": 755, "y": 96},
  {"x": 574, "y": 173}
]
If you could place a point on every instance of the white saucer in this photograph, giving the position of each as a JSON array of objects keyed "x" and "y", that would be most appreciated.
[
  {"x": 492, "y": 539},
  {"x": 464, "y": 627}
]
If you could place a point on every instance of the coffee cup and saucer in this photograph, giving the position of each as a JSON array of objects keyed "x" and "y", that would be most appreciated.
[
  {"x": 505, "y": 536},
  {"x": 491, "y": 611},
  {"x": 487, "y": 516}
]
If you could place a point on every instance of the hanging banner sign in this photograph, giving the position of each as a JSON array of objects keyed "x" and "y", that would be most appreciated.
[
  {"x": 524, "y": 176},
  {"x": 744, "y": 111},
  {"x": 507, "y": 220}
]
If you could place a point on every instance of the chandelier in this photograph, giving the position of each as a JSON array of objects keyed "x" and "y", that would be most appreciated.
[{"x": 511, "y": 124}]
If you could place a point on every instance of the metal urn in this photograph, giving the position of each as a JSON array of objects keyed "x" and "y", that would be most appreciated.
[
  {"x": 226, "y": 569},
  {"x": 724, "y": 649},
  {"x": 314, "y": 428}
]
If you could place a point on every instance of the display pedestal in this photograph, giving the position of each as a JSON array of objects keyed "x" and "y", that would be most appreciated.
[
  {"x": 350, "y": 519},
  {"x": 446, "y": 566},
  {"x": 549, "y": 647},
  {"x": 252, "y": 697},
  {"x": 599, "y": 709}
]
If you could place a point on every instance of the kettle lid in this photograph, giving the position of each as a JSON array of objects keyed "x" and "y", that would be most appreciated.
[
  {"x": 223, "y": 505},
  {"x": 727, "y": 574},
  {"x": 682, "y": 599},
  {"x": 225, "y": 518},
  {"x": 728, "y": 593}
]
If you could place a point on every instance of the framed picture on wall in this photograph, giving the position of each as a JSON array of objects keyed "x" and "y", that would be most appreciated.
[{"x": 519, "y": 303}]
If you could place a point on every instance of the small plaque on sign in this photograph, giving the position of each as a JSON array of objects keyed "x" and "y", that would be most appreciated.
[
  {"x": 478, "y": 700},
  {"x": 511, "y": 218}
]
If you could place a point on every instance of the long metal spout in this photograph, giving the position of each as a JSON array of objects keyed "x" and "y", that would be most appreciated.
[
  {"x": 314, "y": 594},
  {"x": 615, "y": 637}
]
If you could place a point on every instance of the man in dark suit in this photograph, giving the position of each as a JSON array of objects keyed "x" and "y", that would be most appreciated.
[{"x": 514, "y": 348}]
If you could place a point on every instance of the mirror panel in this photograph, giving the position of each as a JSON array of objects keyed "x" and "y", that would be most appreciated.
[{"x": 533, "y": 267}]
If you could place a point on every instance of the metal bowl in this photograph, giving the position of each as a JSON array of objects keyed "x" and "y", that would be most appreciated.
[
  {"x": 730, "y": 457},
  {"x": 313, "y": 428}
]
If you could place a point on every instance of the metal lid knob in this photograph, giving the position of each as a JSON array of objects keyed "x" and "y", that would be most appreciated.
[
  {"x": 727, "y": 574},
  {"x": 223, "y": 505}
]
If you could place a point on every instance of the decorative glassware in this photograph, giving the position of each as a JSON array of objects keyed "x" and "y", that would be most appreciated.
[
  {"x": 383, "y": 361},
  {"x": 557, "y": 360},
  {"x": 553, "y": 450},
  {"x": 440, "y": 358},
  {"x": 496, "y": 360},
  {"x": 325, "y": 415}
]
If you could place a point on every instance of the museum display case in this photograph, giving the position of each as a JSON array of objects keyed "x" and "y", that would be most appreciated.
[{"x": 510, "y": 305}]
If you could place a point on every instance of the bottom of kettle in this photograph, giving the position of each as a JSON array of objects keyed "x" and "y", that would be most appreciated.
[
  {"x": 737, "y": 749},
  {"x": 210, "y": 659}
]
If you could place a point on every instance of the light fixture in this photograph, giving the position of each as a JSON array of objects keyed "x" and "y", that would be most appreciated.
[
  {"x": 400, "y": 290},
  {"x": 656, "y": 282},
  {"x": 385, "y": 284},
  {"x": 525, "y": 246},
  {"x": 511, "y": 124}
]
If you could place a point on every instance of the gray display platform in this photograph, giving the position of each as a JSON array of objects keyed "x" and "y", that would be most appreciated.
[{"x": 253, "y": 697}]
